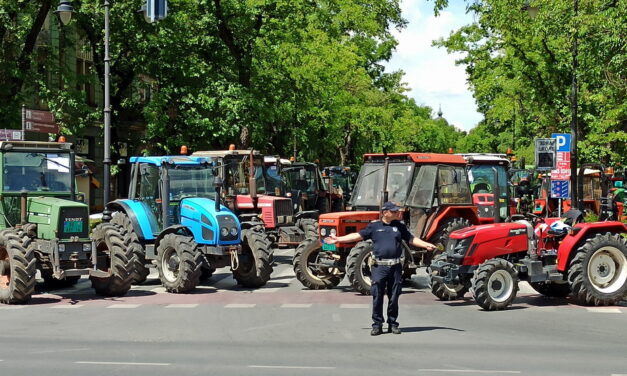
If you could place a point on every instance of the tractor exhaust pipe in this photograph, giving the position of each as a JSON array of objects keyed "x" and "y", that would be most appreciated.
[
  {"x": 23, "y": 201},
  {"x": 384, "y": 192},
  {"x": 218, "y": 185},
  {"x": 497, "y": 196},
  {"x": 252, "y": 183}
]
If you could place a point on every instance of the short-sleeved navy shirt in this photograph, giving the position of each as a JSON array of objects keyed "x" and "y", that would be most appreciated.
[{"x": 387, "y": 238}]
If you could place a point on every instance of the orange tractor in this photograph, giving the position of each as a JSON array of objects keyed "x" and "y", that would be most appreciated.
[{"x": 435, "y": 194}]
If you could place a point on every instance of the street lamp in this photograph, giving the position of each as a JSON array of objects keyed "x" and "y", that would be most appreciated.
[
  {"x": 64, "y": 11},
  {"x": 533, "y": 12}
]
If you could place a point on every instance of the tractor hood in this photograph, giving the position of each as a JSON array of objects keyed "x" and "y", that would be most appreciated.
[
  {"x": 58, "y": 218},
  {"x": 352, "y": 216},
  {"x": 208, "y": 225},
  {"x": 490, "y": 231}
]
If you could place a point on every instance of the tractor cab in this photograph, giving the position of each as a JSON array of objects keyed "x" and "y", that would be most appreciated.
[
  {"x": 522, "y": 189},
  {"x": 340, "y": 182},
  {"x": 488, "y": 176},
  {"x": 307, "y": 188}
]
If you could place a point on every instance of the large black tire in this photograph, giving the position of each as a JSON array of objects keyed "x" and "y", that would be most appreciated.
[
  {"x": 314, "y": 277},
  {"x": 115, "y": 257},
  {"x": 140, "y": 270},
  {"x": 18, "y": 267},
  {"x": 357, "y": 267},
  {"x": 206, "y": 272},
  {"x": 179, "y": 263},
  {"x": 552, "y": 289},
  {"x": 444, "y": 291},
  {"x": 495, "y": 284},
  {"x": 309, "y": 227},
  {"x": 255, "y": 262},
  {"x": 598, "y": 272},
  {"x": 440, "y": 238}
]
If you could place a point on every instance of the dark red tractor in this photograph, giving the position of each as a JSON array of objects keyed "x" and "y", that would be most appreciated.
[{"x": 558, "y": 258}]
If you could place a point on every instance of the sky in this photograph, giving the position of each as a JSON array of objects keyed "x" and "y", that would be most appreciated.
[{"x": 430, "y": 72}]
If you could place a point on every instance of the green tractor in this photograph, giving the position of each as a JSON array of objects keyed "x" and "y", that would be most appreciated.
[{"x": 42, "y": 226}]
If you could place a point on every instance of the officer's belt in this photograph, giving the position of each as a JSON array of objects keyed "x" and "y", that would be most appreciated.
[{"x": 387, "y": 262}]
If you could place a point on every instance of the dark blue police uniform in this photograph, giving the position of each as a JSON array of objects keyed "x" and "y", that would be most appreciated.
[{"x": 387, "y": 275}]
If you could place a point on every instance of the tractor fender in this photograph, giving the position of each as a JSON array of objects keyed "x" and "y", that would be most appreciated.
[
  {"x": 143, "y": 219},
  {"x": 468, "y": 212},
  {"x": 313, "y": 214},
  {"x": 578, "y": 236},
  {"x": 174, "y": 229}
]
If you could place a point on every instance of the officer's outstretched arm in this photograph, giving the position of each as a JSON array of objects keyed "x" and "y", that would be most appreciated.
[
  {"x": 350, "y": 238},
  {"x": 417, "y": 242}
]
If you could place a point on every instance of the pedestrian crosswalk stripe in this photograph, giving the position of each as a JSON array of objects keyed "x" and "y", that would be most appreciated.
[
  {"x": 239, "y": 305},
  {"x": 158, "y": 290},
  {"x": 267, "y": 290},
  {"x": 181, "y": 306},
  {"x": 354, "y": 305},
  {"x": 295, "y": 305},
  {"x": 12, "y": 307},
  {"x": 603, "y": 310},
  {"x": 123, "y": 306},
  {"x": 69, "y": 306}
]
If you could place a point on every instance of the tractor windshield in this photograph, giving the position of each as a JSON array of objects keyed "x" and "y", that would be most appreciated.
[
  {"x": 439, "y": 185},
  {"x": 191, "y": 181},
  {"x": 236, "y": 174},
  {"x": 37, "y": 171},
  {"x": 367, "y": 191},
  {"x": 304, "y": 178},
  {"x": 482, "y": 180}
]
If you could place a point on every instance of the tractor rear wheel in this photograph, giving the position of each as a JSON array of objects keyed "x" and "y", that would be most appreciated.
[
  {"x": 495, "y": 284},
  {"x": 552, "y": 289},
  {"x": 357, "y": 267},
  {"x": 140, "y": 270},
  {"x": 18, "y": 267},
  {"x": 308, "y": 270},
  {"x": 179, "y": 263},
  {"x": 598, "y": 272},
  {"x": 309, "y": 227},
  {"x": 206, "y": 272},
  {"x": 114, "y": 256},
  {"x": 441, "y": 236},
  {"x": 255, "y": 262},
  {"x": 447, "y": 291}
]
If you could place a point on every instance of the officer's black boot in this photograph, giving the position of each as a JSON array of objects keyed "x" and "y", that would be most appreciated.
[
  {"x": 394, "y": 329},
  {"x": 376, "y": 331}
]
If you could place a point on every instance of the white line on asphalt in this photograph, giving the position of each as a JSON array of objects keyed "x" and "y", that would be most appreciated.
[
  {"x": 181, "y": 306},
  {"x": 291, "y": 367},
  {"x": 308, "y": 290},
  {"x": 13, "y": 307},
  {"x": 239, "y": 305},
  {"x": 354, "y": 306},
  {"x": 67, "y": 306},
  {"x": 614, "y": 374},
  {"x": 603, "y": 310},
  {"x": 266, "y": 290},
  {"x": 124, "y": 363},
  {"x": 467, "y": 370},
  {"x": 124, "y": 306},
  {"x": 159, "y": 290},
  {"x": 287, "y": 305}
]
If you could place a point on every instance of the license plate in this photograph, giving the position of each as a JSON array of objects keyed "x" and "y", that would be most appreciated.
[
  {"x": 328, "y": 247},
  {"x": 72, "y": 226}
]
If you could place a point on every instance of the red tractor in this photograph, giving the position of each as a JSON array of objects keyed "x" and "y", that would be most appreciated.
[
  {"x": 588, "y": 260},
  {"x": 435, "y": 194}
]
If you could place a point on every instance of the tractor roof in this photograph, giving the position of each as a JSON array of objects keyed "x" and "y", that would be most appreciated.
[
  {"x": 420, "y": 158},
  {"x": 486, "y": 158},
  {"x": 171, "y": 159},
  {"x": 35, "y": 146},
  {"x": 222, "y": 153}
]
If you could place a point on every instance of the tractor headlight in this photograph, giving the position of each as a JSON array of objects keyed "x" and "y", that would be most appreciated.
[
  {"x": 333, "y": 232},
  {"x": 234, "y": 231},
  {"x": 61, "y": 247},
  {"x": 86, "y": 247},
  {"x": 224, "y": 231},
  {"x": 323, "y": 231}
]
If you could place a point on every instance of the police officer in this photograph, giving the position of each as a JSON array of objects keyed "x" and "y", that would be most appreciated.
[{"x": 386, "y": 273}]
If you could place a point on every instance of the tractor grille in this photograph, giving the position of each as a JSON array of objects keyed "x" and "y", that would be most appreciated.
[
  {"x": 283, "y": 208},
  {"x": 73, "y": 222}
]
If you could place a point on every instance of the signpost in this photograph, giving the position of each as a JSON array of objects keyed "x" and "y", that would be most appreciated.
[
  {"x": 11, "y": 134},
  {"x": 38, "y": 121},
  {"x": 545, "y": 153}
]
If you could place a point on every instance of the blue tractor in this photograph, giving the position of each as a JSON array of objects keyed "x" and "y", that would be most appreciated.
[{"x": 174, "y": 219}]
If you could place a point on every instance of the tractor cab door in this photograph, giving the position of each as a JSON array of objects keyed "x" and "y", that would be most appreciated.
[{"x": 149, "y": 190}]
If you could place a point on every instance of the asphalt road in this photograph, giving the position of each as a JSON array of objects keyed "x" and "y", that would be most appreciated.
[{"x": 284, "y": 330}]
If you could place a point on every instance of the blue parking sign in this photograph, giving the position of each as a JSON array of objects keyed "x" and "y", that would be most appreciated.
[
  {"x": 562, "y": 141},
  {"x": 560, "y": 188}
]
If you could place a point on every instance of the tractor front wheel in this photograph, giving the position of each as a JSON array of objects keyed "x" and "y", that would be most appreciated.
[
  {"x": 358, "y": 268},
  {"x": 598, "y": 272},
  {"x": 310, "y": 266},
  {"x": 255, "y": 262},
  {"x": 17, "y": 270},
  {"x": 442, "y": 234},
  {"x": 179, "y": 262},
  {"x": 309, "y": 227},
  {"x": 447, "y": 291},
  {"x": 113, "y": 256},
  {"x": 495, "y": 284},
  {"x": 140, "y": 270}
]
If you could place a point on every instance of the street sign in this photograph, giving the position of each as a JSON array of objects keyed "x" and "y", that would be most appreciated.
[
  {"x": 156, "y": 10},
  {"x": 562, "y": 141},
  {"x": 40, "y": 116},
  {"x": 39, "y": 121},
  {"x": 545, "y": 153},
  {"x": 32, "y": 126},
  {"x": 560, "y": 188},
  {"x": 10, "y": 134}
]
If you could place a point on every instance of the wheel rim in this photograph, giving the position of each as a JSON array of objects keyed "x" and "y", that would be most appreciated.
[
  {"x": 500, "y": 286},
  {"x": 170, "y": 264},
  {"x": 365, "y": 270},
  {"x": 607, "y": 269},
  {"x": 5, "y": 269},
  {"x": 319, "y": 272}
]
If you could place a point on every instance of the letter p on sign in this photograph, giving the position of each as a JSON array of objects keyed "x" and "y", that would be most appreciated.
[{"x": 562, "y": 141}]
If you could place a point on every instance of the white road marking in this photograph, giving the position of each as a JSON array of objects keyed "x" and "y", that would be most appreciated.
[
  {"x": 181, "y": 306},
  {"x": 614, "y": 374},
  {"x": 603, "y": 310},
  {"x": 266, "y": 290},
  {"x": 336, "y": 317},
  {"x": 159, "y": 290},
  {"x": 13, "y": 307},
  {"x": 123, "y": 306},
  {"x": 67, "y": 306},
  {"x": 351, "y": 306},
  {"x": 124, "y": 363},
  {"x": 239, "y": 305},
  {"x": 291, "y": 367},
  {"x": 287, "y": 305},
  {"x": 311, "y": 291},
  {"x": 467, "y": 371}
]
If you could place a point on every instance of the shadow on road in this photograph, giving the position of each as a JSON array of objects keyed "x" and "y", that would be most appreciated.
[{"x": 417, "y": 329}]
